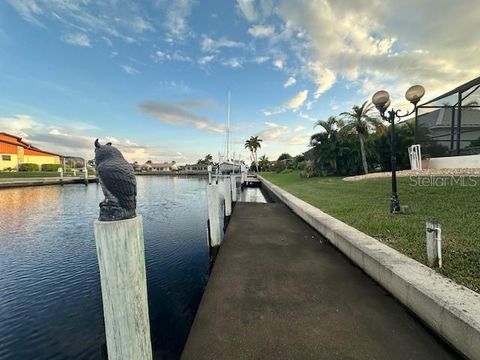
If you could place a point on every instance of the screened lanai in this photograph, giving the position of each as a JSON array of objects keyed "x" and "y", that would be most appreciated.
[{"x": 449, "y": 125}]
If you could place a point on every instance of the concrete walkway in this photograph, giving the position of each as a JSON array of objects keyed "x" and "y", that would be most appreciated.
[{"x": 278, "y": 290}]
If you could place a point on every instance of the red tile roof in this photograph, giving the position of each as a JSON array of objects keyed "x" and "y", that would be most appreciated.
[{"x": 17, "y": 141}]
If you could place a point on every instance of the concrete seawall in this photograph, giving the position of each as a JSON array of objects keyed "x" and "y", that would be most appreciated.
[{"x": 449, "y": 309}]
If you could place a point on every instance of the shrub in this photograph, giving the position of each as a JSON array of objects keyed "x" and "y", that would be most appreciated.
[
  {"x": 286, "y": 171},
  {"x": 309, "y": 170},
  {"x": 290, "y": 164},
  {"x": 301, "y": 165},
  {"x": 51, "y": 167},
  {"x": 278, "y": 166},
  {"x": 28, "y": 167}
]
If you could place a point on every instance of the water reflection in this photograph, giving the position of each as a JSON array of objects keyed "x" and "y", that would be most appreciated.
[{"x": 50, "y": 307}]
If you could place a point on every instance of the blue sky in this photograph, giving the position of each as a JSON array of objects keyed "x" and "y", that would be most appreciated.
[{"x": 152, "y": 77}]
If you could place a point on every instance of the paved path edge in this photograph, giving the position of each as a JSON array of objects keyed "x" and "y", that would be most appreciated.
[{"x": 451, "y": 310}]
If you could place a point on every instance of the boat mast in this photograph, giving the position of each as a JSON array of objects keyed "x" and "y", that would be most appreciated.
[{"x": 228, "y": 127}]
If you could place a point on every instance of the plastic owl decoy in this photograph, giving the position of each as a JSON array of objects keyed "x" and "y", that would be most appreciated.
[{"x": 119, "y": 186}]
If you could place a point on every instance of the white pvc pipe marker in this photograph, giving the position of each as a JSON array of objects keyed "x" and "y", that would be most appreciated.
[
  {"x": 121, "y": 258},
  {"x": 434, "y": 243}
]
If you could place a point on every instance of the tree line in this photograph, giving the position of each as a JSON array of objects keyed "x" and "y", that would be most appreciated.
[{"x": 354, "y": 142}]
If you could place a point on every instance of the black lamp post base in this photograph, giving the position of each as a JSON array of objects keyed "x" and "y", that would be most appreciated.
[{"x": 394, "y": 203}]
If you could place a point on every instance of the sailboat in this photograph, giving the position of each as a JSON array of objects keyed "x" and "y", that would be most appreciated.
[{"x": 228, "y": 165}]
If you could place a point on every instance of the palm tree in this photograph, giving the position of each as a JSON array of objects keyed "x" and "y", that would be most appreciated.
[
  {"x": 359, "y": 121},
  {"x": 328, "y": 138},
  {"x": 248, "y": 145},
  {"x": 330, "y": 126},
  {"x": 263, "y": 162},
  {"x": 209, "y": 159},
  {"x": 253, "y": 144}
]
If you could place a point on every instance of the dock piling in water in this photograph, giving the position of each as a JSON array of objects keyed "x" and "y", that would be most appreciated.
[
  {"x": 228, "y": 196},
  {"x": 214, "y": 215},
  {"x": 121, "y": 259},
  {"x": 86, "y": 173},
  {"x": 244, "y": 170},
  {"x": 233, "y": 181},
  {"x": 60, "y": 170}
]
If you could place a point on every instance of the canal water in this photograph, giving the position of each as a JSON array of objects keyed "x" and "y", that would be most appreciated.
[{"x": 50, "y": 300}]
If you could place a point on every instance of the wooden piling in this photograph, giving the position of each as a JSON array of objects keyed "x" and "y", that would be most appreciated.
[
  {"x": 233, "y": 181},
  {"x": 244, "y": 174},
  {"x": 86, "y": 173},
  {"x": 60, "y": 170},
  {"x": 121, "y": 259},
  {"x": 214, "y": 215},
  {"x": 228, "y": 196}
]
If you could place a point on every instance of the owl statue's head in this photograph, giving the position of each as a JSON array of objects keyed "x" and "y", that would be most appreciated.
[{"x": 106, "y": 152}]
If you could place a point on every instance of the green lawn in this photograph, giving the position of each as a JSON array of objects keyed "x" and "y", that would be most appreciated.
[{"x": 365, "y": 205}]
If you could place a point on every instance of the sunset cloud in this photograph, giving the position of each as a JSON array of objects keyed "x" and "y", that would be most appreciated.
[
  {"x": 297, "y": 101},
  {"x": 180, "y": 113}
]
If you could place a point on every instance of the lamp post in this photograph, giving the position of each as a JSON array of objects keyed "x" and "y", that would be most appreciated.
[{"x": 381, "y": 100}]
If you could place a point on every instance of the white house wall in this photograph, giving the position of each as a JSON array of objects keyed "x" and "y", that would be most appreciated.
[{"x": 456, "y": 162}]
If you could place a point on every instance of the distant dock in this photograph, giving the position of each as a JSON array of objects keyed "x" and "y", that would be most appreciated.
[
  {"x": 42, "y": 181},
  {"x": 174, "y": 173},
  {"x": 252, "y": 181},
  {"x": 279, "y": 290}
]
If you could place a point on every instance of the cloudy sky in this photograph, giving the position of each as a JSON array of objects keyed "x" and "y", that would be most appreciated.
[{"x": 153, "y": 77}]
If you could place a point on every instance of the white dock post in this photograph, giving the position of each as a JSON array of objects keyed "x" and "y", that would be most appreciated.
[
  {"x": 60, "y": 170},
  {"x": 86, "y": 173},
  {"x": 209, "y": 167},
  {"x": 434, "y": 243},
  {"x": 121, "y": 258},
  {"x": 214, "y": 215},
  {"x": 228, "y": 196},
  {"x": 233, "y": 181},
  {"x": 244, "y": 176}
]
